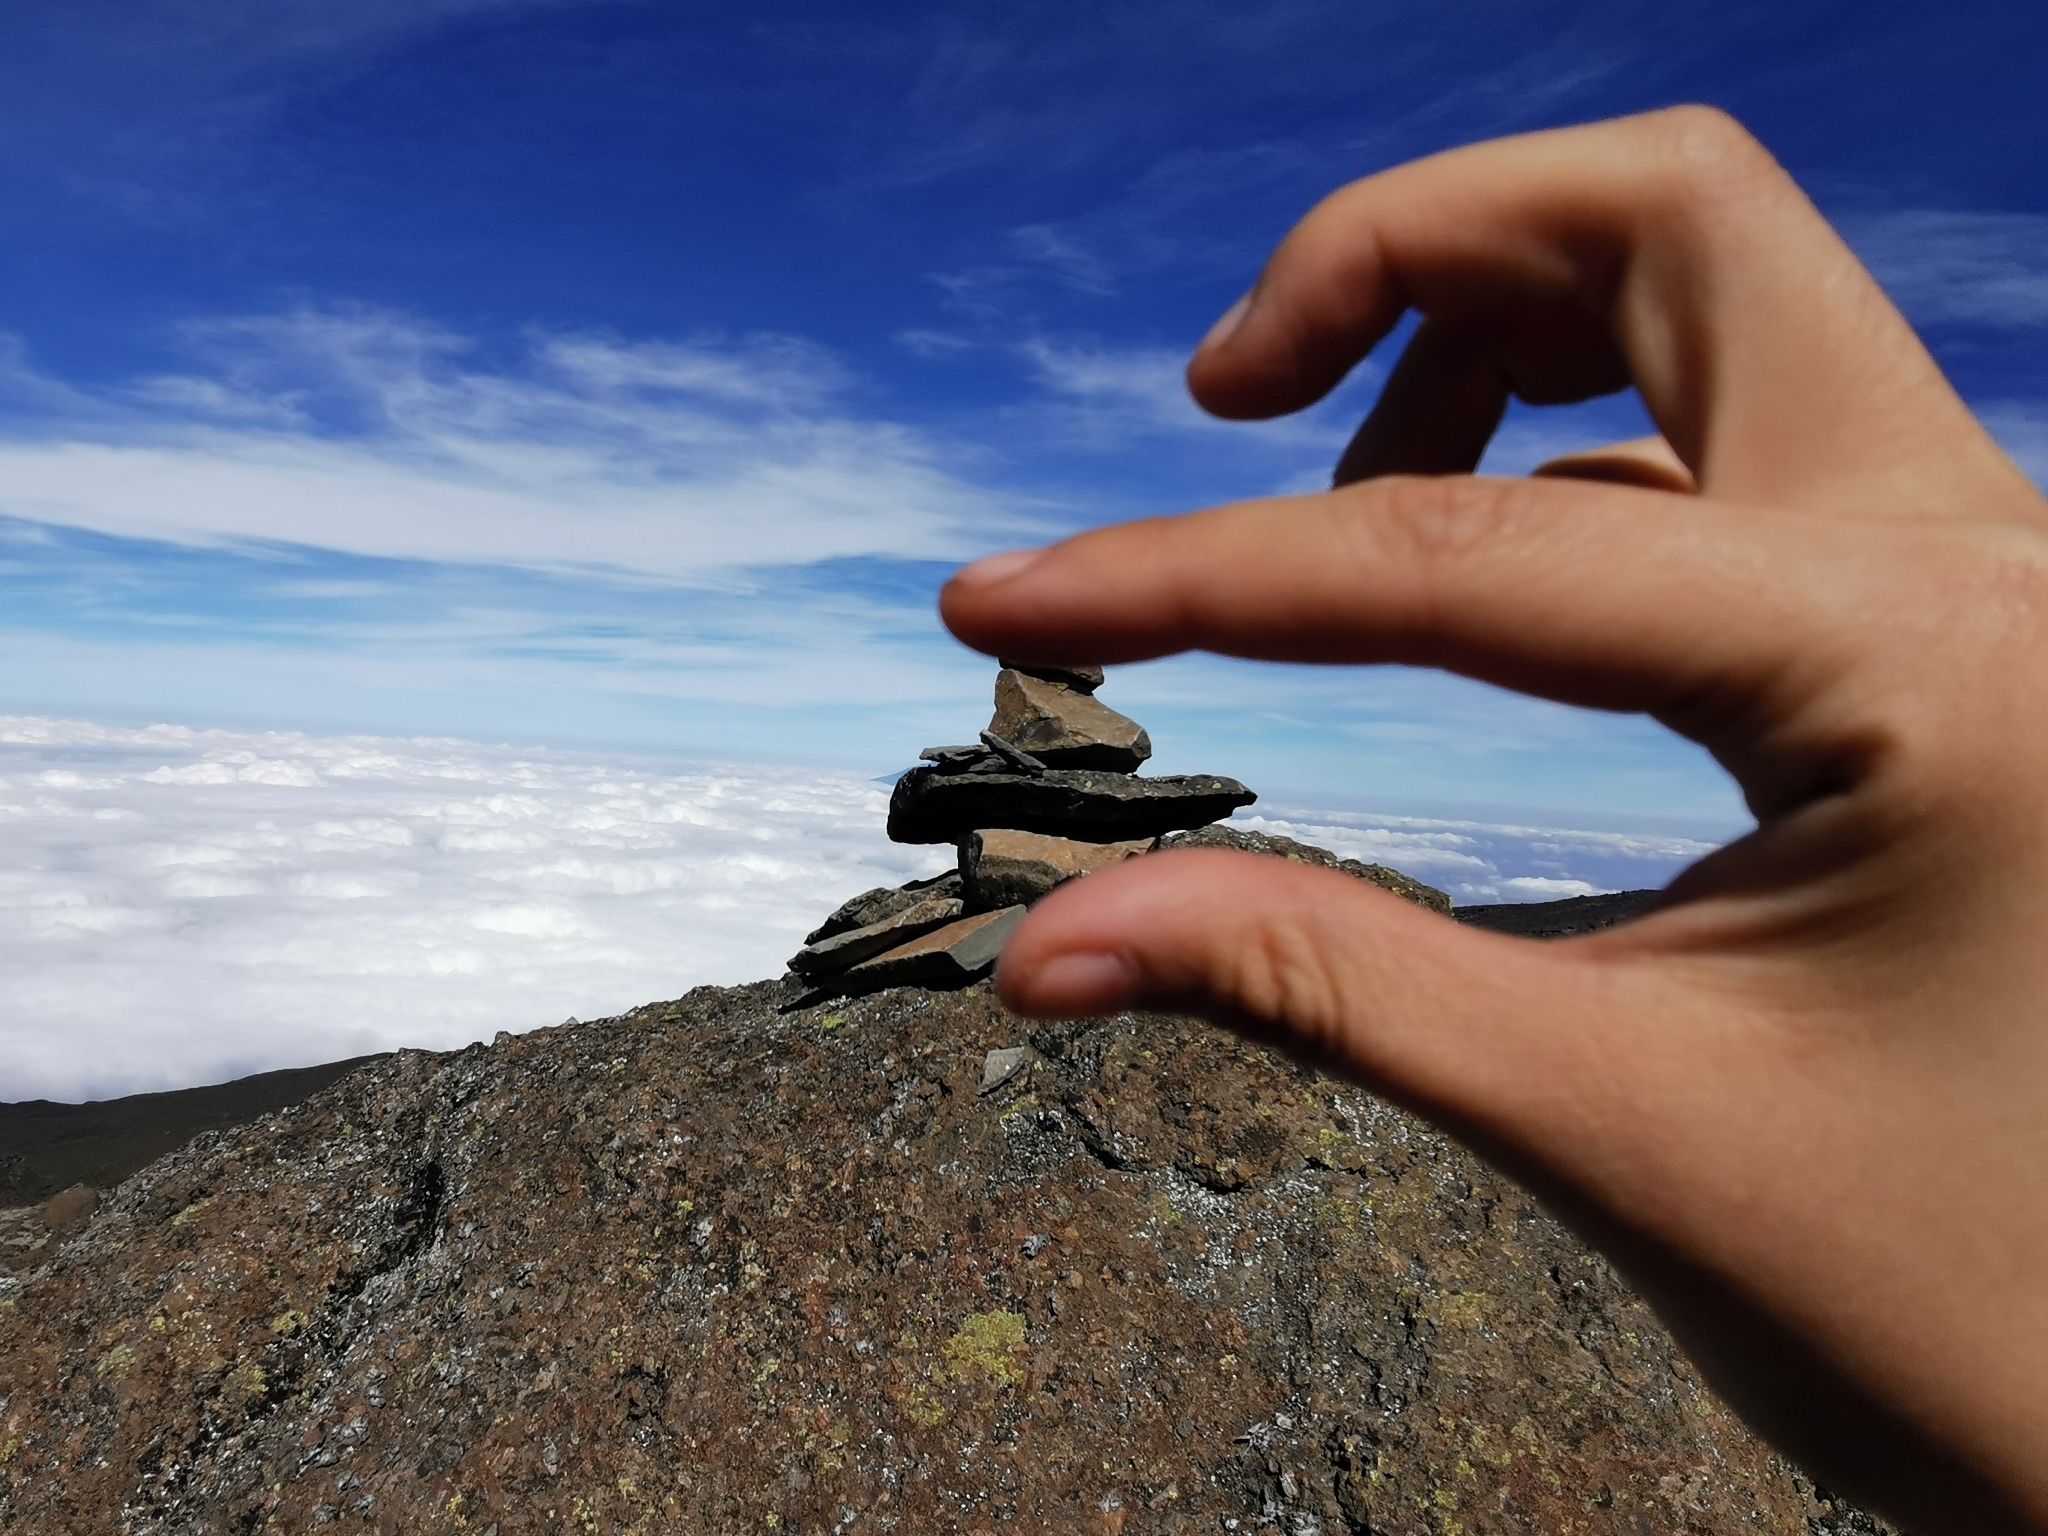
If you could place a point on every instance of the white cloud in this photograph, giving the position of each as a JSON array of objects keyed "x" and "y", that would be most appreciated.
[
  {"x": 124, "y": 96},
  {"x": 1478, "y": 862},
  {"x": 181, "y": 906},
  {"x": 1955, "y": 266},
  {"x": 2021, "y": 427},
  {"x": 1108, "y": 393},
  {"x": 364, "y": 432}
]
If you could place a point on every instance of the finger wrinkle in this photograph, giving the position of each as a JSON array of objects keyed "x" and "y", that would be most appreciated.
[{"x": 1277, "y": 972}]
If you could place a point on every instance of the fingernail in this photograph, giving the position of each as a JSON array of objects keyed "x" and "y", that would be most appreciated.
[
  {"x": 1221, "y": 331},
  {"x": 986, "y": 573},
  {"x": 1077, "y": 984}
]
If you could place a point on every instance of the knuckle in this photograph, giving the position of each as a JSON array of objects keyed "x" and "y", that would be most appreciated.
[{"x": 1701, "y": 155}]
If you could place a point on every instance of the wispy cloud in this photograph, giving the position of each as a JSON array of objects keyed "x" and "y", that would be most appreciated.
[
  {"x": 136, "y": 101},
  {"x": 1109, "y": 394},
  {"x": 1479, "y": 862},
  {"x": 1947, "y": 267},
  {"x": 2021, "y": 427},
  {"x": 364, "y": 431}
]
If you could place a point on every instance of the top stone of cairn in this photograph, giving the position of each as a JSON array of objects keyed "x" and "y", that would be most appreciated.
[{"x": 1063, "y": 724}]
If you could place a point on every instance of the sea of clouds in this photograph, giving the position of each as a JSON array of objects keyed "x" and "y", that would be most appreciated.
[{"x": 181, "y": 906}]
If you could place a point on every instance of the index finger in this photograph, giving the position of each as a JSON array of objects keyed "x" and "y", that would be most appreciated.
[{"x": 1669, "y": 251}]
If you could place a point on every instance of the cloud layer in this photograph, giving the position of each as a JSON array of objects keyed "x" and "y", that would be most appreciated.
[{"x": 184, "y": 906}]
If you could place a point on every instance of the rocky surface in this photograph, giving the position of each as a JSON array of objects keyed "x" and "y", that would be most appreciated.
[
  {"x": 1559, "y": 919},
  {"x": 712, "y": 1268},
  {"x": 928, "y": 806},
  {"x": 47, "y": 1147},
  {"x": 1064, "y": 726}
]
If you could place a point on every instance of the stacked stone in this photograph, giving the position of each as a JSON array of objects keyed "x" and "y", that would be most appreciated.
[{"x": 1050, "y": 793}]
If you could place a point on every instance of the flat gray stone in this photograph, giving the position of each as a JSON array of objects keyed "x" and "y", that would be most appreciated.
[
  {"x": 846, "y": 949},
  {"x": 930, "y": 807},
  {"x": 1002, "y": 1066},
  {"x": 884, "y": 902},
  {"x": 951, "y": 956},
  {"x": 1014, "y": 757},
  {"x": 1081, "y": 679}
]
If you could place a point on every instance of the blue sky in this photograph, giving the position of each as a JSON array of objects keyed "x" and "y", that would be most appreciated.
[{"x": 630, "y": 375}]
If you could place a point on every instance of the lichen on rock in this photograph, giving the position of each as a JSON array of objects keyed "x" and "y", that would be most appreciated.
[{"x": 711, "y": 1268}]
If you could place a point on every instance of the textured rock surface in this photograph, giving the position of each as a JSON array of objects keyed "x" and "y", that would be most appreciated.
[
  {"x": 1559, "y": 919},
  {"x": 1001, "y": 868},
  {"x": 1064, "y": 727},
  {"x": 946, "y": 957},
  {"x": 1307, "y": 853},
  {"x": 711, "y": 1269},
  {"x": 857, "y": 944},
  {"x": 46, "y": 1147},
  {"x": 932, "y": 807},
  {"x": 882, "y": 903}
]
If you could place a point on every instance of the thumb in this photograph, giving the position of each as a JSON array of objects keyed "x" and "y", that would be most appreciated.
[{"x": 1523, "y": 1049}]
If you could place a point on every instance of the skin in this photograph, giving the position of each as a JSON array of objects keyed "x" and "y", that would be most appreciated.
[{"x": 1804, "y": 1102}]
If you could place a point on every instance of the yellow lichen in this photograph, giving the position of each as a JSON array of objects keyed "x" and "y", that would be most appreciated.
[
  {"x": 114, "y": 1362},
  {"x": 988, "y": 1347}
]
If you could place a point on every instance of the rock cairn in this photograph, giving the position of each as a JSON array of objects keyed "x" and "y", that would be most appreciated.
[{"x": 1050, "y": 793}]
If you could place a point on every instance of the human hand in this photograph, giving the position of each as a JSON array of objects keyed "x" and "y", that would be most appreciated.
[{"x": 1804, "y": 1101}]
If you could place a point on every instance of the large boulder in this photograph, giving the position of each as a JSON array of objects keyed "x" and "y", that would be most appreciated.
[
  {"x": 708, "y": 1268},
  {"x": 931, "y": 806}
]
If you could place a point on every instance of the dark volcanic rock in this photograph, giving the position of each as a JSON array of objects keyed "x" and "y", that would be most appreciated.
[
  {"x": 1559, "y": 919},
  {"x": 706, "y": 1270},
  {"x": 1307, "y": 853},
  {"x": 883, "y": 903},
  {"x": 1066, "y": 727},
  {"x": 930, "y": 807},
  {"x": 45, "y": 1147},
  {"x": 1002, "y": 868}
]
